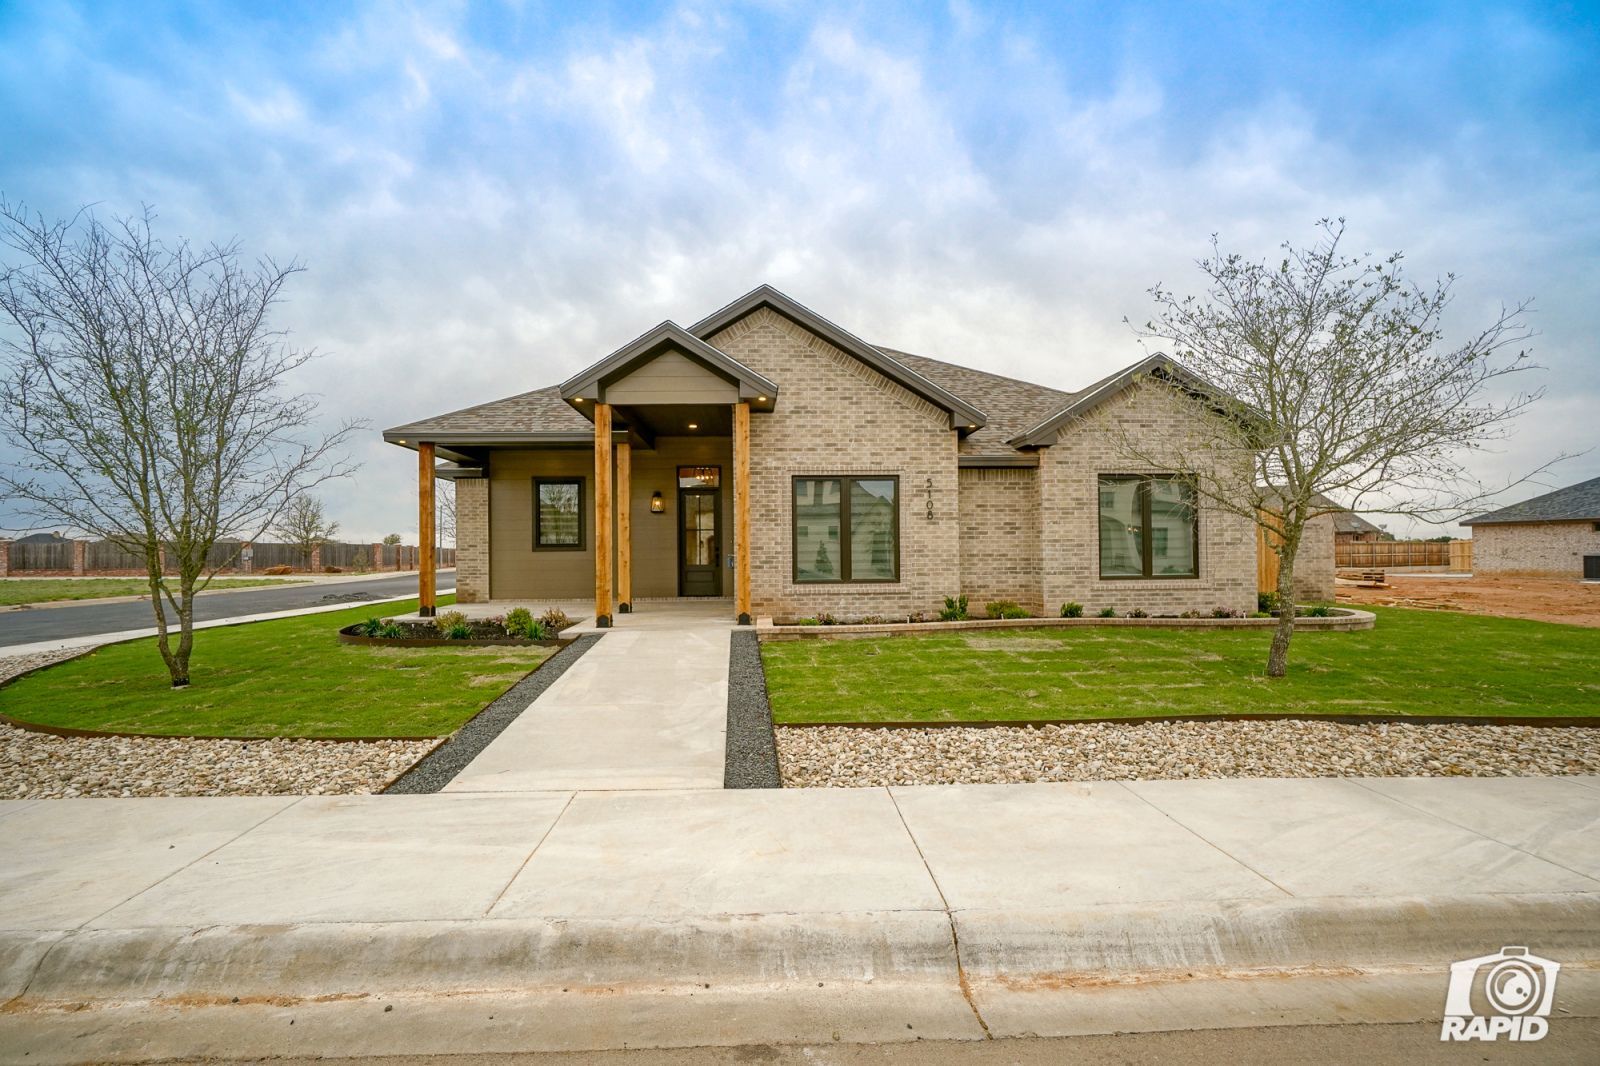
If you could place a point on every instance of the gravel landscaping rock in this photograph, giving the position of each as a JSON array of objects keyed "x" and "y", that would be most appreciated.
[
  {"x": 839, "y": 756},
  {"x": 752, "y": 758},
  {"x": 43, "y": 766}
]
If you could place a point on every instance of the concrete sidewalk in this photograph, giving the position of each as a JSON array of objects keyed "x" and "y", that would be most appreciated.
[
  {"x": 138, "y": 929},
  {"x": 645, "y": 708}
]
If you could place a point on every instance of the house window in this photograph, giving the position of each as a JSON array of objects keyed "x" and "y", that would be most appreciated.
[
  {"x": 1149, "y": 527},
  {"x": 558, "y": 513},
  {"x": 846, "y": 529}
]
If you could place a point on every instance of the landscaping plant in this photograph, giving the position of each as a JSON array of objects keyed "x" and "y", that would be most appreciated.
[
  {"x": 1328, "y": 385},
  {"x": 1072, "y": 610},
  {"x": 519, "y": 622},
  {"x": 1108, "y": 612},
  {"x": 1005, "y": 609},
  {"x": 143, "y": 400},
  {"x": 955, "y": 609}
]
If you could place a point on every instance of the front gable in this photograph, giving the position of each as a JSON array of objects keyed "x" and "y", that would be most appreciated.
[{"x": 767, "y": 307}]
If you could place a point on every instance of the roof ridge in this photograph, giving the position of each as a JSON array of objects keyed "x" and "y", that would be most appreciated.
[{"x": 897, "y": 353}]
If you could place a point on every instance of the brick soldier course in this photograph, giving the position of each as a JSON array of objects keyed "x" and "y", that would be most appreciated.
[{"x": 997, "y": 480}]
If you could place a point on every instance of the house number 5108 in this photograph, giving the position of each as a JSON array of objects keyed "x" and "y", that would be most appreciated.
[{"x": 930, "y": 499}]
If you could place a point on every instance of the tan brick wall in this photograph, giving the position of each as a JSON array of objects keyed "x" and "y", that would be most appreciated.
[
  {"x": 472, "y": 540},
  {"x": 1546, "y": 548},
  {"x": 1000, "y": 536},
  {"x": 836, "y": 416},
  {"x": 1313, "y": 563},
  {"x": 1069, "y": 507}
]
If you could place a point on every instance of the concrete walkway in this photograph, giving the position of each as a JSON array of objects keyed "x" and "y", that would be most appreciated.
[
  {"x": 646, "y": 708},
  {"x": 141, "y": 929}
]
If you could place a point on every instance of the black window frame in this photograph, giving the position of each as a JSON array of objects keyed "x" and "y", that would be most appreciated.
[
  {"x": 1146, "y": 541},
  {"x": 583, "y": 540},
  {"x": 845, "y": 577}
]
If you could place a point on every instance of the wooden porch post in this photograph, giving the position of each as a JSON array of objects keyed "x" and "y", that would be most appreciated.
[
  {"x": 602, "y": 515},
  {"x": 426, "y": 601},
  {"x": 741, "y": 512},
  {"x": 624, "y": 527}
]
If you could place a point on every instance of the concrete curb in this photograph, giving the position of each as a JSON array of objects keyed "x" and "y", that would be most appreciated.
[
  {"x": 443, "y": 958},
  {"x": 1182, "y": 940},
  {"x": 1346, "y": 620},
  {"x": 1030, "y": 951}
]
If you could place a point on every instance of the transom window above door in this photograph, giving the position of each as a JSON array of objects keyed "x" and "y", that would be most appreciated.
[
  {"x": 846, "y": 529},
  {"x": 699, "y": 477}
]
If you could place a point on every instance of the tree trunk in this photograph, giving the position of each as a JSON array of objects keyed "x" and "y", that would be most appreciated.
[
  {"x": 1278, "y": 656},
  {"x": 176, "y": 668}
]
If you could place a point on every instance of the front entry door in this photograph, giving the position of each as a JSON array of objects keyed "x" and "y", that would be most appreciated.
[{"x": 699, "y": 542}]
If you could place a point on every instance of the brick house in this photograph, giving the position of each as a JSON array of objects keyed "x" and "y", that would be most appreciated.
[
  {"x": 766, "y": 455},
  {"x": 1556, "y": 535}
]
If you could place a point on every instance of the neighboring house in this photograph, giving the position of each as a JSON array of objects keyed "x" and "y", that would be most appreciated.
[
  {"x": 43, "y": 538},
  {"x": 1556, "y": 534},
  {"x": 872, "y": 483},
  {"x": 1351, "y": 528}
]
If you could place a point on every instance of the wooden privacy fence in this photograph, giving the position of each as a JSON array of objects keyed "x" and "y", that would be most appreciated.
[
  {"x": 1386, "y": 554},
  {"x": 86, "y": 557}
]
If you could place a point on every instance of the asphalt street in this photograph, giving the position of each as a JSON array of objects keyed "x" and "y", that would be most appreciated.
[{"x": 55, "y": 623}]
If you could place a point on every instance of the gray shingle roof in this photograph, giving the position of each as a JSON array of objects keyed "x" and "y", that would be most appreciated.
[
  {"x": 1350, "y": 522},
  {"x": 539, "y": 411},
  {"x": 1579, "y": 502},
  {"x": 1012, "y": 406}
]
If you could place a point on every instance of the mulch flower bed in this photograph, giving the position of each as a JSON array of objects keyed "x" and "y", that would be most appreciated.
[{"x": 454, "y": 629}]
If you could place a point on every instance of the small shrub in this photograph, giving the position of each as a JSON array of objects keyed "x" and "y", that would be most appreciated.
[
  {"x": 372, "y": 627},
  {"x": 332, "y": 570},
  {"x": 278, "y": 571},
  {"x": 871, "y": 620},
  {"x": 449, "y": 619},
  {"x": 1268, "y": 602},
  {"x": 807, "y": 622},
  {"x": 555, "y": 619},
  {"x": 519, "y": 622},
  {"x": 1072, "y": 610},
  {"x": 1321, "y": 610},
  {"x": 1226, "y": 612},
  {"x": 1193, "y": 612},
  {"x": 918, "y": 616},
  {"x": 1260, "y": 614},
  {"x": 955, "y": 609},
  {"x": 391, "y": 631},
  {"x": 824, "y": 618},
  {"x": 1108, "y": 612},
  {"x": 1138, "y": 612},
  {"x": 1005, "y": 609},
  {"x": 457, "y": 631}
]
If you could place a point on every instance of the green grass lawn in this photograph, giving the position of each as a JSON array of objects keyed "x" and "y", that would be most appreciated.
[
  {"x": 15, "y": 590},
  {"x": 290, "y": 678},
  {"x": 1413, "y": 662}
]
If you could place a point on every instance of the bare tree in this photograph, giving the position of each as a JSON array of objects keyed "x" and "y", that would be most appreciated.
[
  {"x": 1327, "y": 385},
  {"x": 445, "y": 513},
  {"x": 304, "y": 525},
  {"x": 142, "y": 395}
]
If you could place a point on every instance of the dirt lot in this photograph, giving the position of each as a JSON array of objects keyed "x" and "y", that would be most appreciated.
[{"x": 1541, "y": 599}]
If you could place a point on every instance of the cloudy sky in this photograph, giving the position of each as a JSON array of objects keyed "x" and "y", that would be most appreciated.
[{"x": 489, "y": 196}]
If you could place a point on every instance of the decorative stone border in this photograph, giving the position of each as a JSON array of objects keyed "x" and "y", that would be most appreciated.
[
  {"x": 751, "y": 749},
  {"x": 1342, "y": 619}
]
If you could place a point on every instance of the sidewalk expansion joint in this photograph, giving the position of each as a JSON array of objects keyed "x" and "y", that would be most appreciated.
[{"x": 955, "y": 935}]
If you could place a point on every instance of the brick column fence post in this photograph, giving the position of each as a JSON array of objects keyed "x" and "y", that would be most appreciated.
[
  {"x": 316, "y": 558},
  {"x": 161, "y": 558},
  {"x": 80, "y": 555},
  {"x": 377, "y": 557},
  {"x": 5, "y": 558}
]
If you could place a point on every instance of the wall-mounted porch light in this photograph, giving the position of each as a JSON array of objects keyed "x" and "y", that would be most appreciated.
[{"x": 657, "y": 504}]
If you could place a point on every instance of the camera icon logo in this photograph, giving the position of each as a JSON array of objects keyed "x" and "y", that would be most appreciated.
[{"x": 1515, "y": 988}]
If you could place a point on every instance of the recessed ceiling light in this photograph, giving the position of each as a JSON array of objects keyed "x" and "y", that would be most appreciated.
[
  {"x": 694, "y": 425},
  {"x": 761, "y": 399}
]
